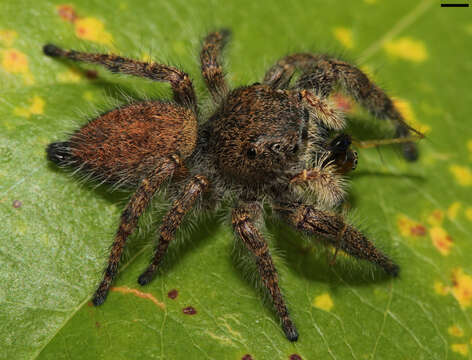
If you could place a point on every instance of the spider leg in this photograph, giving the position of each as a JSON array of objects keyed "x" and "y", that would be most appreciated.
[
  {"x": 242, "y": 218},
  {"x": 212, "y": 71},
  {"x": 180, "y": 82},
  {"x": 129, "y": 219},
  {"x": 279, "y": 75},
  {"x": 322, "y": 73},
  {"x": 171, "y": 222},
  {"x": 340, "y": 234}
]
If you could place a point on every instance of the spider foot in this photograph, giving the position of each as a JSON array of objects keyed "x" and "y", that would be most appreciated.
[
  {"x": 391, "y": 269},
  {"x": 146, "y": 277},
  {"x": 410, "y": 151},
  {"x": 52, "y": 50},
  {"x": 290, "y": 330},
  {"x": 100, "y": 296}
]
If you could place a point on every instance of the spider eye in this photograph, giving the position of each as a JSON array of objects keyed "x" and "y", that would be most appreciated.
[
  {"x": 251, "y": 153},
  {"x": 275, "y": 147},
  {"x": 354, "y": 163}
]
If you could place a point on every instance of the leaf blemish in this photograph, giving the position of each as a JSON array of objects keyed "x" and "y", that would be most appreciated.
[
  {"x": 173, "y": 294},
  {"x": 126, "y": 290},
  {"x": 189, "y": 310},
  {"x": 247, "y": 357},
  {"x": 295, "y": 357}
]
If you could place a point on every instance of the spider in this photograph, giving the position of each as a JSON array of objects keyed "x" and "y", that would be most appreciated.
[{"x": 275, "y": 144}]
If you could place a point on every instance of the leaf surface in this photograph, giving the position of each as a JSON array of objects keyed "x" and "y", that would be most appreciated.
[{"x": 56, "y": 231}]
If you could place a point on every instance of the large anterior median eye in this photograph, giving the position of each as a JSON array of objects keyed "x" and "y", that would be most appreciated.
[{"x": 251, "y": 153}]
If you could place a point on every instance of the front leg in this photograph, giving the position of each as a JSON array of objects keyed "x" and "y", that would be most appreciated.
[
  {"x": 212, "y": 70},
  {"x": 340, "y": 234},
  {"x": 322, "y": 74},
  {"x": 243, "y": 226}
]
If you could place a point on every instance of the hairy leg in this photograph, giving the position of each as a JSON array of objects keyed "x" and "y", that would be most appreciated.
[
  {"x": 182, "y": 86},
  {"x": 211, "y": 68},
  {"x": 242, "y": 219},
  {"x": 171, "y": 222},
  {"x": 322, "y": 74},
  {"x": 279, "y": 75},
  {"x": 129, "y": 219},
  {"x": 340, "y": 234}
]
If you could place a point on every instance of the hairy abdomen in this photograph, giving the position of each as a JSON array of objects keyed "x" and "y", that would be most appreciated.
[{"x": 124, "y": 144}]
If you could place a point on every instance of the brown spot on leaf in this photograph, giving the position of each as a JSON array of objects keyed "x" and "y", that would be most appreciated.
[
  {"x": 17, "y": 204},
  {"x": 295, "y": 357},
  {"x": 189, "y": 310},
  {"x": 97, "y": 324},
  {"x": 67, "y": 13},
  {"x": 418, "y": 230},
  {"x": 173, "y": 294},
  {"x": 246, "y": 357},
  {"x": 410, "y": 227},
  {"x": 91, "y": 74}
]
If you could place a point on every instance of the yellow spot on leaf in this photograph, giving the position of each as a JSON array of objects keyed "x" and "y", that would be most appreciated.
[
  {"x": 436, "y": 218},
  {"x": 92, "y": 29},
  {"x": 146, "y": 57},
  {"x": 36, "y": 108},
  {"x": 468, "y": 29},
  {"x": 462, "y": 349},
  {"x": 453, "y": 210},
  {"x": 409, "y": 227},
  {"x": 408, "y": 114},
  {"x": 441, "y": 240},
  {"x": 440, "y": 288},
  {"x": 135, "y": 292},
  {"x": 462, "y": 174},
  {"x": 344, "y": 36},
  {"x": 89, "y": 96},
  {"x": 455, "y": 330},
  {"x": 407, "y": 48},
  {"x": 323, "y": 302},
  {"x": 15, "y": 62},
  {"x": 462, "y": 287},
  {"x": 69, "y": 76},
  {"x": 468, "y": 213},
  {"x": 8, "y": 37}
]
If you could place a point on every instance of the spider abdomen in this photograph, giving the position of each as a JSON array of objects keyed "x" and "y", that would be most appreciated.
[{"x": 124, "y": 144}]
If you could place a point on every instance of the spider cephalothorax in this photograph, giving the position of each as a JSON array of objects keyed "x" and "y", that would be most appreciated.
[{"x": 278, "y": 143}]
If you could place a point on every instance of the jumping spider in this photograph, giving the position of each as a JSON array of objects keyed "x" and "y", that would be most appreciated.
[{"x": 274, "y": 143}]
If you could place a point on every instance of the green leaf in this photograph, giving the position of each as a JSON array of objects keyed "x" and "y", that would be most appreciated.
[{"x": 56, "y": 230}]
